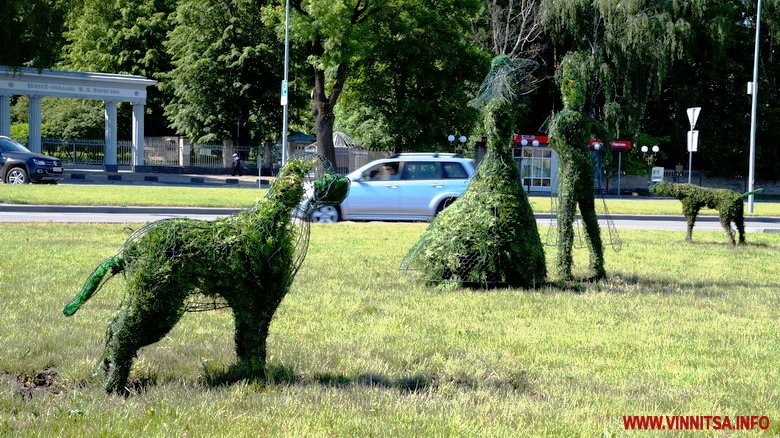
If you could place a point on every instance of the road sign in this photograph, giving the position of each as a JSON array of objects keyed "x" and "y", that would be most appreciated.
[
  {"x": 657, "y": 175},
  {"x": 693, "y": 141},
  {"x": 284, "y": 93},
  {"x": 693, "y": 114}
]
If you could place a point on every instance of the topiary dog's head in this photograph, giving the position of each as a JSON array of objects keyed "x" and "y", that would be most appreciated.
[{"x": 330, "y": 189}]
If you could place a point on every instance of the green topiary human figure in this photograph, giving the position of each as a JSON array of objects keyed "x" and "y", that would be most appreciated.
[
  {"x": 247, "y": 261},
  {"x": 489, "y": 236},
  {"x": 570, "y": 132}
]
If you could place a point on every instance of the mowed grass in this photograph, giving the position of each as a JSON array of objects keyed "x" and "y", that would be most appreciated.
[
  {"x": 65, "y": 194},
  {"x": 357, "y": 349}
]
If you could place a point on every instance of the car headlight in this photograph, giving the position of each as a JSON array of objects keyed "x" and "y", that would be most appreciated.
[{"x": 39, "y": 162}]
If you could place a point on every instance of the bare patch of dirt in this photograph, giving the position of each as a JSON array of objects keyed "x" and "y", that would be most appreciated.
[{"x": 40, "y": 383}]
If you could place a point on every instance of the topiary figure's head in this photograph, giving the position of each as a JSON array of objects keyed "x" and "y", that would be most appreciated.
[
  {"x": 330, "y": 189},
  {"x": 572, "y": 78}
]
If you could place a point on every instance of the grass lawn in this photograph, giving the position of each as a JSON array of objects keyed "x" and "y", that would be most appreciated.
[
  {"x": 64, "y": 194},
  {"x": 357, "y": 349}
]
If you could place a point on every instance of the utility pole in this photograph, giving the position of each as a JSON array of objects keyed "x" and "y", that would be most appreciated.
[{"x": 753, "y": 89}]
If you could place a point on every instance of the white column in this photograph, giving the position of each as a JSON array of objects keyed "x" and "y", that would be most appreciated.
[
  {"x": 110, "y": 150},
  {"x": 5, "y": 115},
  {"x": 34, "y": 141},
  {"x": 138, "y": 136}
]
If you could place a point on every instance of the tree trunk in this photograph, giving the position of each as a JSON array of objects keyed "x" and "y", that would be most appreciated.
[
  {"x": 324, "y": 125},
  {"x": 322, "y": 107}
]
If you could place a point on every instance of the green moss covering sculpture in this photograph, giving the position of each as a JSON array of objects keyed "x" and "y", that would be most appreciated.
[
  {"x": 570, "y": 132},
  {"x": 246, "y": 262},
  {"x": 488, "y": 237},
  {"x": 728, "y": 203}
]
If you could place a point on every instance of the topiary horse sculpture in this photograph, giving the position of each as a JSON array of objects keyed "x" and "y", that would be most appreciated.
[
  {"x": 246, "y": 262},
  {"x": 728, "y": 203}
]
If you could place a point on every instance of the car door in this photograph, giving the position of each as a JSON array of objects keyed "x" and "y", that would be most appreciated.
[
  {"x": 374, "y": 195},
  {"x": 420, "y": 183}
]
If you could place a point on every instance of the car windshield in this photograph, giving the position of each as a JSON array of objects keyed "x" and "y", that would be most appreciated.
[{"x": 12, "y": 146}]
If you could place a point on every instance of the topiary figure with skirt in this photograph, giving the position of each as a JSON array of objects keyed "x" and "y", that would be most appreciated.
[{"x": 488, "y": 237}]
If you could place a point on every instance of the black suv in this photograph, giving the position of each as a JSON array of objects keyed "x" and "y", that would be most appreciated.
[{"x": 20, "y": 166}]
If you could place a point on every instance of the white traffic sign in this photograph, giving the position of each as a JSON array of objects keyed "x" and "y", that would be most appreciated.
[
  {"x": 693, "y": 115},
  {"x": 693, "y": 141},
  {"x": 284, "y": 93},
  {"x": 657, "y": 174}
]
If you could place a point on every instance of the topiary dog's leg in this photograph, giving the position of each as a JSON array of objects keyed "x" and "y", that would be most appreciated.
[
  {"x": 690, "y": 213},
  {"x": 147, "y": 317},
  {"x": 739, "y": 222},
  {"x": 251, "y": 333},
  {"x": 726, "y": 224}
]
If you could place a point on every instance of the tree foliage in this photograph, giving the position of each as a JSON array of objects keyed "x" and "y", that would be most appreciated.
[
  {"x": 123, "y": 36},
  {"x": 226, "y": 72},
  {"x": 416, "y": 77},
  {"x": 333, "y": 34},
  {"x": 31, "y": 32}
]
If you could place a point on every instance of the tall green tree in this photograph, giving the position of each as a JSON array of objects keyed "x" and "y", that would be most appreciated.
[
  {"x": 417, "y": 76},
  {"x": 631, "y": 45},
  {"x": 123, "y": 36},
  {"x": 31, "y": 32},
  {"x": 226, "y": 75},
  {"x": 334, "y": 35},
  {"x": 713, "y": 76}
]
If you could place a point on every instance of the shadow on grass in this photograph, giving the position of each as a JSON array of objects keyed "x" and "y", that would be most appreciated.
[
  {"x": 418, "y": 383},
  {"x": 627, "y": 282}
]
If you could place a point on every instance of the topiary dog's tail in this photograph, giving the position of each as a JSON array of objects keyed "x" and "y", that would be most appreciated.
[
  {"x": 115, "y": 264},
  {"x": 746, "y": 194}
]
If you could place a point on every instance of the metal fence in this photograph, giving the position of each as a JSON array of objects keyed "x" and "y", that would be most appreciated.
[
  {"x": 75, "y": 151},
  {"x": 163, "y": 152}
]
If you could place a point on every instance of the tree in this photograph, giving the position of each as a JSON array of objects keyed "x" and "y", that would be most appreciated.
[
  {"x": 333, "y": 34},
  {"x": 416, "y": 77},
  {"x": 31, "y": 32},
  {"x": 513, "y": 28},
  {"x": 632, "y": 46},
  {"x": 123, "y": 36},
  {"x": 225, "y": 79}
]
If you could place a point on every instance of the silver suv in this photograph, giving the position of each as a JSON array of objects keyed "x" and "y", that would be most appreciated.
[{"x": 409, "y": 186}]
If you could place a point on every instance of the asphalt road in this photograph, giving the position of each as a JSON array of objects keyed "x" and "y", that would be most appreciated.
[{"x": 121, "y": 215}]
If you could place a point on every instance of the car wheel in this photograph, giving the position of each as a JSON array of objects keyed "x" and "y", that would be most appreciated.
[
  {"x": 444, "y": 204},
  {"x": 325, "y": 213},
  {"x": 17, "y": 175}
]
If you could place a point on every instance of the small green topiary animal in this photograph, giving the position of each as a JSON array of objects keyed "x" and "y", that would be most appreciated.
[
  {"x": 728, "y": 203},
  {"x": 246, "y": 262}
]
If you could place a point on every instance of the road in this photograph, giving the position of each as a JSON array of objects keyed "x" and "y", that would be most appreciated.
[{"x": 121, "y": 215}]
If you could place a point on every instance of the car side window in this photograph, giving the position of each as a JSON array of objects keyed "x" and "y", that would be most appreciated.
[
  {"x": 454, "y": 171},
  {"x": 416, "y": 170},
  {"x": 382, "y": 172}
]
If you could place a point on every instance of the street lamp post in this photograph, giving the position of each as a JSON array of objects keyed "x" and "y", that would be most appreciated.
[
  {"x": 597, "y": 149},
  {"x": 284, "y": 82},
  {"x": 524, "y": 143},
  {"x": 451, "y": 138},
  {"x": 754, "y": 92},
  {"x": 651, "y": 159}
]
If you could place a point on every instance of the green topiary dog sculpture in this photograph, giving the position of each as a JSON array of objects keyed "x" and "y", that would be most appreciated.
[
  {"x": 246, "y": 262},
  {"x": 729, "y": 204}
]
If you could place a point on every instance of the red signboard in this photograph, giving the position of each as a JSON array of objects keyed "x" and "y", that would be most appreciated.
[{"x": 542, "y": 140}]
